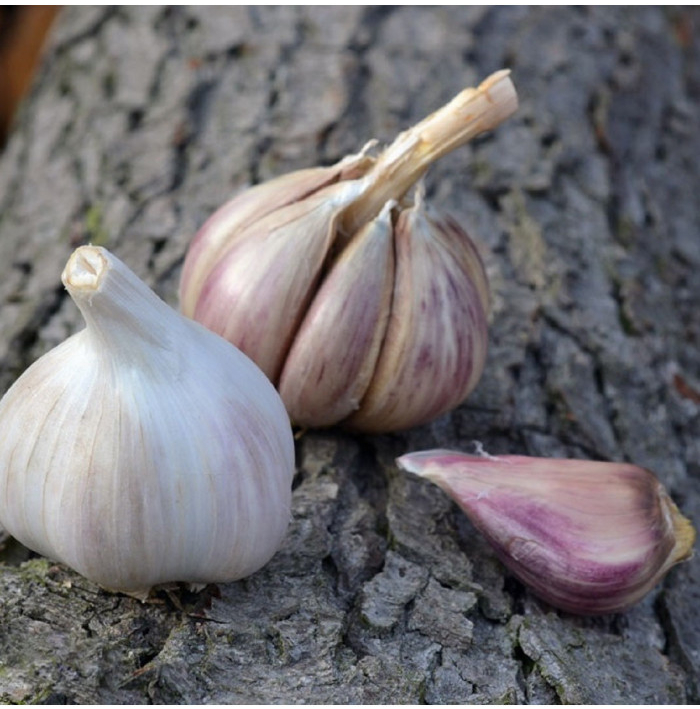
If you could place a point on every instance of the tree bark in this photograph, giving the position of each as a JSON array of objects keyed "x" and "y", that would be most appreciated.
[{"x": 585, "y": 205}]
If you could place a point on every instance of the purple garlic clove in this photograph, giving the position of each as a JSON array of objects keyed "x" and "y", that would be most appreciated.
[
  {"x": 587, "y": 537},
  {"x": 325, "y": 378},
  {"x": 435, "y": 346}
]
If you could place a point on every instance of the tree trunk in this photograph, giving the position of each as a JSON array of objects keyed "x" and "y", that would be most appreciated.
[{"x": 585, "y": 205}]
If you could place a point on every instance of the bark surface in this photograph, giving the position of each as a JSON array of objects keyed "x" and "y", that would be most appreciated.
[{"x": 585, "y": 205}]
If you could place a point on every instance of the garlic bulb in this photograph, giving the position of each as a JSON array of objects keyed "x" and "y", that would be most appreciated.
[
  {"x": 144, "y": 449},
  {"x": 362, "y": 306},
  {"x": 588, "y": 537}
]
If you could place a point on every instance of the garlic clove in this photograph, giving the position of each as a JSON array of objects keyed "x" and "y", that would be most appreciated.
[
  {"x": 334, "y": 354},
  {"x": 588, "y": 537},
  {"x": 220, "y": 231},
  {"x": 258, "y": 293},
  {"x": 435, "y": 346},
  {"x": 144, "y": 450}
]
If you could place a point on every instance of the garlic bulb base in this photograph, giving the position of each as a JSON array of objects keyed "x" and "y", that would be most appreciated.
[
  {"x": 143, "y": 595},
  {"x": 147, "y": 594}
]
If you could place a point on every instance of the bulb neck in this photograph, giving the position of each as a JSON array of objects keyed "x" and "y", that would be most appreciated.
[
  {"x": 120, "y": 311},
  {"x": 406, "y": 160}
]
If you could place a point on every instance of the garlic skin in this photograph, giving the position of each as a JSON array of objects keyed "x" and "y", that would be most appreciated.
[
  {"x": 144, "y": 449},
  {"x": 259, "y": 290},
  {"x": 587, "y": 537},
  {"x": 215, "y": 236},
  {"x": 299, "y": 274}
]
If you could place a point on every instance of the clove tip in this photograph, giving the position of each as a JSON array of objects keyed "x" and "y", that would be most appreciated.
[{"x": 421, "y": 463}]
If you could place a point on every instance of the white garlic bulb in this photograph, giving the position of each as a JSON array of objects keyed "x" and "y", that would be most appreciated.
[{"x": 144, "y": 449}]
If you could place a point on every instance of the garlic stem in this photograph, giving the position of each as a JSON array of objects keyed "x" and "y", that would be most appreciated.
[
  {"x": 112, "y": 299},
  {"x": 400, "y": 166}
]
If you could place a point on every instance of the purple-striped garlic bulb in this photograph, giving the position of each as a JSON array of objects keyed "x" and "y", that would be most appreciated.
[
  {"x": 587, "y": 537},
  {"x": 364, "y": 307}
]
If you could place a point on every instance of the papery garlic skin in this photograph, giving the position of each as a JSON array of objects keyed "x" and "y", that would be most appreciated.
[
  {"x": 587, "y": 537},
  {"x": 218, "y": 233},
  {"x": 257, "y": 294},
  {"x": 144, "y": 449},
  {"x": 286, "y": 284}
]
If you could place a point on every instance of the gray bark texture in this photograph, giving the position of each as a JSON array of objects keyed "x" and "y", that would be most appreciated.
[{"x": 585, "y": 205}]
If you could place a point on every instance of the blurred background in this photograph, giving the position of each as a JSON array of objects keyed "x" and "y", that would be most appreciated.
[{"x": 23, "y": 30}]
